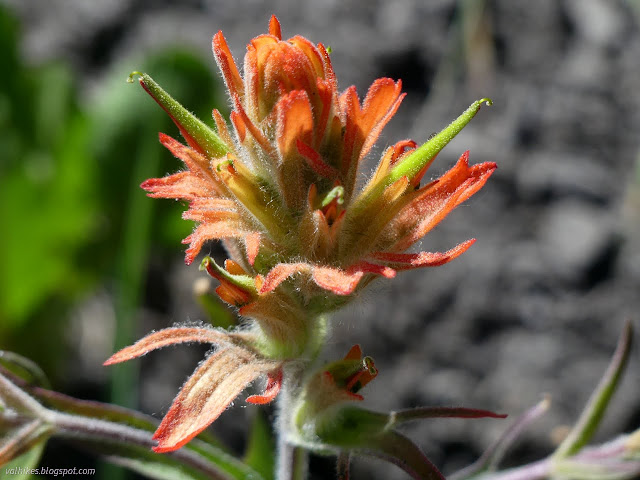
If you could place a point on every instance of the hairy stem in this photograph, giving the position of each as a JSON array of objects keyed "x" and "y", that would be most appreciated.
[
  {"x": 78, "y": 428},
  {"x": 292, "y": 461}
]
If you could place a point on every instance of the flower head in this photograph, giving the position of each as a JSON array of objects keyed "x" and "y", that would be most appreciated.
[
  {"x": 284, "y": 182},
  {"x": 278, "y": 187}
]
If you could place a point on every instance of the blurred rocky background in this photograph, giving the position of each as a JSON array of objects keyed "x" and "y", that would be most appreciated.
[{"x": 534, "y": 307}]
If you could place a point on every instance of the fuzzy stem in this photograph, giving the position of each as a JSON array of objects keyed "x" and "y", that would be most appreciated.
[
  {"x": 78, "y": 428},
  {"x": 292, "y": 461}
]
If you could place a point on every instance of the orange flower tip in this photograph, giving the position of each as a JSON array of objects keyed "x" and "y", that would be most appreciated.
[
  {"x": 354, "y": 353},
  {"x": 166, "y": 449},
  {"x": 130, "y": 78},
  {"x": 274, "y": 383},
  {"x": 111, "y": 360},
  {"x": 274, "y": 27},
  {"x": 149, "y": 184},
  {"x": 189, "y": 258}
]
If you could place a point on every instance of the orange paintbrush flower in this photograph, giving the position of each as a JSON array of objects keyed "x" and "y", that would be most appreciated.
[
  {"x": 284, "y": 181},
  {"x": 278, "y": 187}
]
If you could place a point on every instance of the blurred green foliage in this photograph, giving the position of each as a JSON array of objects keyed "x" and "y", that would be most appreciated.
[
  {"x": 47, "y": 210},
  {"x": 72, "y": 217}
]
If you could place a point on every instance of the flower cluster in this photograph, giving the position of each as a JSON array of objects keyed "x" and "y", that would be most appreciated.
[{"x": 278, "y": 187}]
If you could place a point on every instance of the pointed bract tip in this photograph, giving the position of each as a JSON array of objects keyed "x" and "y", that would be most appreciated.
[
  {"x": 274, "y": 27},
  {"x": 109, "y": 361}
]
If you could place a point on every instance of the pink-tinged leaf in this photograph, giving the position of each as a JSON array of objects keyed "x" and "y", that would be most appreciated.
[
  {"x": 407, "y": 261},
  {"x": 367, "y": 267},
  {"x": 197, "y": 163},
  {"x": 274, "y": 383},
  {"x": 182, "y": 185},
  {"x": 252, "y": 244},
  {"x": 280, "y": 273},
  {"x": 210, "y": 216},
  {"x": 209, "y": 391},
  {"x": 210, "y": 231},
  {"x": 338, "y": 281},
  {"x": 165, "y": 337},
  {"x": 435, "y": 201}
]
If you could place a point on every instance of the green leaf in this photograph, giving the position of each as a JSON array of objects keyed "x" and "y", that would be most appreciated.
[
  {"x": 417, "y": 160},
  {"x": 260, "y": 453},
  {"x": 349, "y": 427},
  {"x": 423, "y": 155},
  {"x": 593, "y": 412},
  {"x": 25, "y": 368},
  {"x": 195, "y": 132}
]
